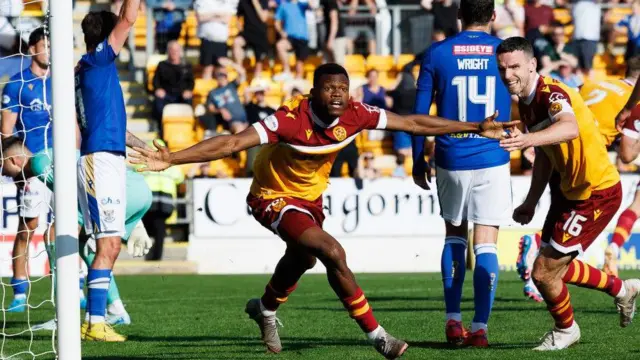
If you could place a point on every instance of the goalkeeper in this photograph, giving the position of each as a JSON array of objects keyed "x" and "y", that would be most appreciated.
[{"x": 19, "y": 161}]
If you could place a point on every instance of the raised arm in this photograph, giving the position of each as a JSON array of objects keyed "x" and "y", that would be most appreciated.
[
  {"x": 126, "y": 19},
  {"x": 208, "y": 150}
]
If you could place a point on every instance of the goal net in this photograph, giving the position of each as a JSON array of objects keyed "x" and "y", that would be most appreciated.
[{"x": 27, "y": 259}]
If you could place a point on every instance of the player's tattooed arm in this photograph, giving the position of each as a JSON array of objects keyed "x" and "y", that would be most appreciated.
[
  {"x": 208, "y": 150},
  {"x": 133, "y": 141},
  {"x": 432, "y": 125}
]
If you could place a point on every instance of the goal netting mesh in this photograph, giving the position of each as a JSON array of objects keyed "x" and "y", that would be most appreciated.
[{"x": 27, "y": 282}]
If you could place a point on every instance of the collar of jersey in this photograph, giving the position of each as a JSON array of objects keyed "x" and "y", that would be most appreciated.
[
  {"x": 319, "y": 122},
  {"x": 532, "y": 94}
]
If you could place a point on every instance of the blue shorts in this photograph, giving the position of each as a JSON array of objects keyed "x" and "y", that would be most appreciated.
[{"x": 401, "y": 140}]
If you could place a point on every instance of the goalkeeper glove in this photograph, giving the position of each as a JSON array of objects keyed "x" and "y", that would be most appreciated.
[{"x": 139, "y": 242}]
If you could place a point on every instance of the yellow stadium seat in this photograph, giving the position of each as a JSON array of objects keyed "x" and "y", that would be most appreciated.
[
  {"x": 404, "y": 59},
  {"x": 387, "y": 81},
  {"x": 178, "y": 113},
  {"x": 201, "y": 90},
  {"x": 178, "y": 135},
  {"x": 277, "y": 67},
  {"x": 274, "y": 101},
  {"x": 616, "y": 14},
  {"x": 382, "y": 63},
  {"x": 312, "y": 63},
  {"x": 355, "y": 65},
  {"x": 562, "y": 16}
]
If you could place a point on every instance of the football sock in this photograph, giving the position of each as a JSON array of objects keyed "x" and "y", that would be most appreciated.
[
  {"x": 485, "y": 282},
  {"x": 116, "y": 307},
  {"x": 453, "y": 268},
  {"x": 20, "y": 287},
  {"x": 561, "y": 309},
  {"x": 274, "y": 295},
  {"x": 361, "y": 312},
  {"x": 623, "y": 228},
  {"x": 113, "y": 294},
  {"x": 98, "y": 280},
  {"x": 584, "y": 275}
]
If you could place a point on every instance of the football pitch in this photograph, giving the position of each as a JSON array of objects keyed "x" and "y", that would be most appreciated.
[{"x": 202, "y": 317}]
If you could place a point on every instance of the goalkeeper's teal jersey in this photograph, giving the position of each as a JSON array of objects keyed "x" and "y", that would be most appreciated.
[{"x": 138, "y": 194}]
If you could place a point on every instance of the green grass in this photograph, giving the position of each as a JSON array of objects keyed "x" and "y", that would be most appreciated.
[{"x": 201, "y": 317}]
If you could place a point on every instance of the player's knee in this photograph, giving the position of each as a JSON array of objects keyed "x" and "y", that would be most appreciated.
[
  {"x": 541, "y": 273},
  {"x": 309, "y": 262},
  {"x": 334, "y": 256},
  {"x": 109, "y": 247}
]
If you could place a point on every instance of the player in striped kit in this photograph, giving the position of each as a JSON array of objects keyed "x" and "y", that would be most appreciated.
[
  {"x": 564, "y": 129},
  {"x": 460, "y": 73},
  {"x": 292, "y": 171},
  {"x": 604, "y": 99}
]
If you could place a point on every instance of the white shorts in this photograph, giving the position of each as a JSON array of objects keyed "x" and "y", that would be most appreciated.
[
  {"x": 102, "y": 193},
  {"x": 482, "y": 196},
  {"x": 33, "y": 199}
]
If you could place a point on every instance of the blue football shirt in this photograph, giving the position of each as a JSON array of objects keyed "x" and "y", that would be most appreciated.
[
  {"x": 100, "y": 103},
  {"x": 29, "y": 96},
  {"x": 462, "y": 73}
]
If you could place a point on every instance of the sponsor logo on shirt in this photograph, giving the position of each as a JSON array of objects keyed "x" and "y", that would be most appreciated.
[
  {"x": 271, "y": 122},
  {"x": 556, "y": 97},
  {"x": 472, "y": 49},
  {"x": 6, "y": 99},
  {"x": 100, "y": 47}
]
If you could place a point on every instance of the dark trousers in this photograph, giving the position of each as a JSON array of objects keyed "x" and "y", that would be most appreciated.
[
  {"x": 348, "y": 154},
  {"x": 155, "y": 223}
]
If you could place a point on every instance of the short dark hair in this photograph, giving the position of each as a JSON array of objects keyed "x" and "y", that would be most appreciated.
[
  {"x": 11, "y": 143},
  {"x": 36, "y": 35},
  {"x": 328, "y": 69},
  {"x": 96, "y": 26},
  {"x": 476, "y": 12},
  {"x": 515, "y": 43}
]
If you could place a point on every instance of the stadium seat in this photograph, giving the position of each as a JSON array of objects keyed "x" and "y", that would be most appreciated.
[
  {"x": 387, "y": 80},
  {"x": 178, "y": 113},
  {"x": 312, "y": 63},
  {"x": 201, "y": 90},
  {"x": 179, "y": 135},
  {"x": 152, "y": 65},
  {"x": 562, "y": 16},
  {"x": 355, "y": 65},
  {"x": 277, "y": 67},
  {"x": 403, "y": 59},
  {"x": 382, "y": 63}
]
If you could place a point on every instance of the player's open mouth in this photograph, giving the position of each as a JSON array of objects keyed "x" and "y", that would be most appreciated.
[{"x": 336, "y": 104}]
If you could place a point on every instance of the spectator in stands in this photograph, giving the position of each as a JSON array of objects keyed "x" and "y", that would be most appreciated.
[
  {"x": 255, "y": 14},
  {"x": 366, "y": 169},
  {"x": 224, "y": 102},
  {"x": 169, "y": 16},
  {"x": 566, "y": 74},
  {"x": 445, "y": 15},
  {"x": 335, "y": 40},
  {"x": 558, "y": 52},
  {"x": 509, "y": 20},
  {"x": 586, "y": 34},
  {"x": 256, "y": 109},
  {"x": 213, "y": 30},
  {"x": 372, "y": 93},
  {"x": 173, "y": 82},
  {"x": 358, "y": 26},
  {"x": 348, "y": 155},
  {"x": 537, "y": 17},
  {"x": 403, "y": 98},
  {"x": 631, "y": 26},
  {"x": 291, "y": 24}
]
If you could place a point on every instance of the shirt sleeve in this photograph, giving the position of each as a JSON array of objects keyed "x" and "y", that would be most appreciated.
[
  {"x": 557, "y": 102},
  {"x": 10, "y": 100},
  {"x": 275, "y": 127},
  {"x": 371, "y": 117},
  {"x": 279, "y": 13},
  {"x": 103, "y": 54}
]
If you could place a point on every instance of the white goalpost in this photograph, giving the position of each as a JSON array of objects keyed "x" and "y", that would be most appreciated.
[
  {"x": 19, "y": 337},
  {"x": 65, "y": 172}
]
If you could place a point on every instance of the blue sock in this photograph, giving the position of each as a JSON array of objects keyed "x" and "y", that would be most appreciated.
[
  {"x": 453, "y": 267},
  {"x": 485, "y": 282},
  {"x": 20, "y": 287},
  {"x": 98, "y": 280}
]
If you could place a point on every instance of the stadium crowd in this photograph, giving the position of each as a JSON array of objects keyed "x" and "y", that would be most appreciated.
[{"x": 250, "y": 55}]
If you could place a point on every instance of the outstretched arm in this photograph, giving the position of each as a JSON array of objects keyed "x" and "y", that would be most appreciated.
[
  {"x": 211, "y": 149},
  {"x": 433, "y": 125},
  {"x": 126, "y": 19}
]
